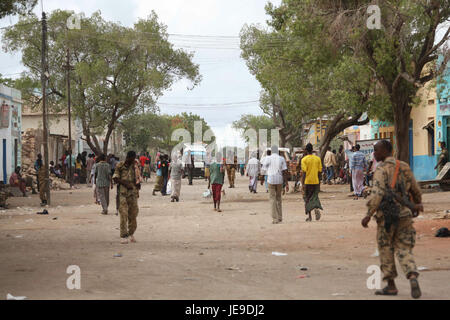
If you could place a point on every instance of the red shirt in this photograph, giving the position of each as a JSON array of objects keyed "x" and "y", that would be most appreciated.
[{"x": 142, "y": 159}]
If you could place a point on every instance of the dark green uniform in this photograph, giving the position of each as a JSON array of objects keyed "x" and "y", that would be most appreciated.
[{"x": 128, "y": 205}]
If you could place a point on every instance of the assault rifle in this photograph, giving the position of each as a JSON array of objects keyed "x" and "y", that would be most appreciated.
[{"x": 390, "y": 208}]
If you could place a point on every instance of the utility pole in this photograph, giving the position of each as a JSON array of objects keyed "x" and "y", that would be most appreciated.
[
  {"x": 69, "y": 68},
  {"x": 44, "y": 78}
]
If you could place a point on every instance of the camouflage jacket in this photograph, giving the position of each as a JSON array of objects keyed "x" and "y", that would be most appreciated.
[
  {"x": 382, "y": 179},
  {"x": 125, "y": 173}
]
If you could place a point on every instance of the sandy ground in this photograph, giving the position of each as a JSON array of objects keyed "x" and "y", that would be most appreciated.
[{"x": 186, "y": 250}]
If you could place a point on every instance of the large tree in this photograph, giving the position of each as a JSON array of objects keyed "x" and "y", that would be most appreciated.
[
  {"x": 404, "y": 54},
  {"x": 305, "y": 77},
  {"x": 145, "y": 131},
  {"x": 118, "y": 71},
  {"x": 252, "y": 122}
]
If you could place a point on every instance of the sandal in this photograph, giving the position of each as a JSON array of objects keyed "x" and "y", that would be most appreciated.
[
  {"x": 317, "y": 212},
  {"x": 385, "y": 292},
  {"x": 415, "y": 289}
]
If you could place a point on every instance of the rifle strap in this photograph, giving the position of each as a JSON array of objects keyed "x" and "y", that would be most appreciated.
[{"x": 397, "y": 169}]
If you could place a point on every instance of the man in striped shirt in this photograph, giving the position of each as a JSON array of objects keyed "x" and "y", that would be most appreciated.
[{"x": 358, "y": 164}]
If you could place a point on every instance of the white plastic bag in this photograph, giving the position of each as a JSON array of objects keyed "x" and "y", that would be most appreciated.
[{"x": 169, "y": 187}]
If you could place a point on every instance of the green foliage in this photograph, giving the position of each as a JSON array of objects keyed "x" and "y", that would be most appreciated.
[
  {"x": 13, "y": 7},
  {"x": 146, "y": 131},
  {"x": 117, "y": 71},
  {"x": 249, "y": 121}
]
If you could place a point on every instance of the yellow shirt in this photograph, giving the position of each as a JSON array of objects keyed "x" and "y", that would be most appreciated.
[{"x": 311, "y": 166}]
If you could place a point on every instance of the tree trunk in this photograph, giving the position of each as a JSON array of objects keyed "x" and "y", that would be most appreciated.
[
  {"x": 402, "y": 116},
  {"x": 337, "y": 125}
]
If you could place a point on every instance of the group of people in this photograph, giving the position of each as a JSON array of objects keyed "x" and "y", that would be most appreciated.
[{"x": 395, "y": 231}]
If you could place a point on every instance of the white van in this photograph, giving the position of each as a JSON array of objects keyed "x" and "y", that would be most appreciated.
[{"x": 199, "y": 152}]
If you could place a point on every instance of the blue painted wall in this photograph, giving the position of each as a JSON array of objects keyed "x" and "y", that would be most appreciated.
[{"x": 423, "y": 167}]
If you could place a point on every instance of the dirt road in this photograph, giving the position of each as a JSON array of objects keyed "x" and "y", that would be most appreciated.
[{"x": 186, "y": 250}]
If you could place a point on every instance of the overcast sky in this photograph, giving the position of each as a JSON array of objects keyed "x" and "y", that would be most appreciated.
[{"x": 226, "y": 78}]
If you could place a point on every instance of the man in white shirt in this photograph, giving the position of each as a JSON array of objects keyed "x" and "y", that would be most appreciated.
[
  {"x": 253, "y": 172},
  {"x": 276, "y": 168},
  {"x": 330, "y": 163},
  {"x": 263, "y": 171}
]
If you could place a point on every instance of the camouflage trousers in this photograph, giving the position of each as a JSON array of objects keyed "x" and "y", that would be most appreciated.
[
  {"x": 3, "y": 198},
  {"x": 42, "y": 189},
  {"x": 128, "y": 210},
  {"x": 231, "y": 173},
  {"x": 400, "y": 241}
]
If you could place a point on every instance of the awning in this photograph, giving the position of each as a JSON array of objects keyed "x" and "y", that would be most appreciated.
[{"x": 429, "y": 127}]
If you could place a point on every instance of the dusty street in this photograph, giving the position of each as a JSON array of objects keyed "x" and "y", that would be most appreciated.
[{"x": 186, "y": 250}]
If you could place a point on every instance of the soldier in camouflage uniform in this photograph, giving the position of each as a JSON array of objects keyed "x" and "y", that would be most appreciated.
[
  {"x": 43, "y": 185},
  {"x": 125, "y": 178},
  {"x": 400, "y": 238}
]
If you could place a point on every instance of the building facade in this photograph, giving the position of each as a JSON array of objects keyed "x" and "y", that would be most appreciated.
[{"x": 10, "y": 131}]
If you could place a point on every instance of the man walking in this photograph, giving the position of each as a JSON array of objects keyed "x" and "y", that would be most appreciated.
[
  {"x": 358, "y": 164},
  {"x": 164, "y": 173},
  {"x": 190, "y": 166},
  {"x": 217, "y": 177},
  {"x": 253, "y": 173},
  {"x": 103, "y": 182},
  {"x": 330, "y": 163},
  {"x": 311, "y": 166},
  {"x": 125, "y": 178},
  {"x": 395, "y": 231},
  {"x": 276, "y": 168},
  {"x": 263, "y": 171},
  {"x": 42, "y": 180}
]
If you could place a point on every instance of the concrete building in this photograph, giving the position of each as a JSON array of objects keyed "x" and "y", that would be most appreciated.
[
  {"x": 10, "y": 131},
  {"x": 313, "y": 132},
  {"x": 58, "y": 124},
  {"x": 59, "y": 134},
  {"x": 443, "y": 111},
  {"x": 422, "y": 143}
]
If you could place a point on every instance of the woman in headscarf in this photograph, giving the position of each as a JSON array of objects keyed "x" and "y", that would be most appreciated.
[
  {"x": 176, "y": 172},
  {"x": 159, "y": 177}
]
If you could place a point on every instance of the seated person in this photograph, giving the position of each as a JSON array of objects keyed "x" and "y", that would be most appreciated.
[
  {"x": 57, "y": 171},
  {"x": 17, "y": 181}
]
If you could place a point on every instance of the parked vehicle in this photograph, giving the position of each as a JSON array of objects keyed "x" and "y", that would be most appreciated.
[{"x": 198, "y": 151}]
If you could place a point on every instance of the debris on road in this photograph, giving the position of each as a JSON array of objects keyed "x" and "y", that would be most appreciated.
[
  {"x": 11, "y": 297},
  {"x": 43, "y": 212},
  {"x": 302, "y": 268},
  {"x": 279, "y": 254},
  {"x": 302, "y": 276},
  {"x": 443, "y": 233},
  {"x": 55, "y": 218},
  {"x": 233, "y": 268},
  {"x": 118, "y": 255},
  {"x": 376, "y": 253},
  {"x": 422, "y": 268},
  {"x": 19, "y": 236}
]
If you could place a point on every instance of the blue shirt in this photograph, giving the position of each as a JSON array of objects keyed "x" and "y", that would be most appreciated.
[{"x": 358, "y": 161}]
